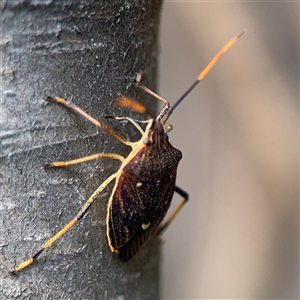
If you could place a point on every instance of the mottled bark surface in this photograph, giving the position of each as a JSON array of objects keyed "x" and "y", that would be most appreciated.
[{"x": 90, "y": 52}]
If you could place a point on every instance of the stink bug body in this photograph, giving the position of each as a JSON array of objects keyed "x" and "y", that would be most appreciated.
[
  {"x": 145, "y": 182},
  {"x": 143, "y": 191}
]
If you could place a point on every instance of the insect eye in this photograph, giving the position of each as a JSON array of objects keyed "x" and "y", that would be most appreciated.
[{"x": 147, "y": 142}]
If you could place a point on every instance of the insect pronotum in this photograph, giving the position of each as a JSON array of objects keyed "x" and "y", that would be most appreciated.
[{"x": 146, "y": 177}]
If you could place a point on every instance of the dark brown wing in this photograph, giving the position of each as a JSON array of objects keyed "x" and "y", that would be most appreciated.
[
  {"x": 141, "y": 198},
  {"x": 141, "y": 236},
  {"x": 136, "y": 204}
]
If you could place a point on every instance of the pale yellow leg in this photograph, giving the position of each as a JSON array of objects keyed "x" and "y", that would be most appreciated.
[
  {"x": 79, "y": 216},
  {"x": 71, "y": 105},
  {"x": 86, "y": 158},
  {"x": 185, "y": 196}
]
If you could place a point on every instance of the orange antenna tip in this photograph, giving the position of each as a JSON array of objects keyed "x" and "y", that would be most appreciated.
[
  {"x": 130, "y": 103},
  {"x": 219, "y": 54}
]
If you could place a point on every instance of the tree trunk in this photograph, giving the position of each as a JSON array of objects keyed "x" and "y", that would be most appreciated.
[{"x": 88, "y": 52}]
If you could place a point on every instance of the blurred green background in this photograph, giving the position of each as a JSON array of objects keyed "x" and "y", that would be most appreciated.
[{"x": 238, "y": 237}]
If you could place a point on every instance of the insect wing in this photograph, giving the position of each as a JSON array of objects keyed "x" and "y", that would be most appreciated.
[
  {"x": 132, "y": 207},
  {"x": 131, "y": 247},
  {"x": 142, "y": 196}
]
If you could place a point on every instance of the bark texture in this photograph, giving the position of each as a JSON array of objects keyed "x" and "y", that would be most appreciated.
[{"x": 87, "y": 51}]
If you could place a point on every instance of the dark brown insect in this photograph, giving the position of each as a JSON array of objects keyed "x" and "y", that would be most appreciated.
[{"x": 145, "y": 182}]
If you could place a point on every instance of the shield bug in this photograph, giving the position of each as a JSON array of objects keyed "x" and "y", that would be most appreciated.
[{"x": 144, "y": 183}]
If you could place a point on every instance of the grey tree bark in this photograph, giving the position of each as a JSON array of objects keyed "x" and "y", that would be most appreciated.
[{"x": 88, "y": 51}]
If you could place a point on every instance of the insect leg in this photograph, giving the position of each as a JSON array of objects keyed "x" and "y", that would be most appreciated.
[
  {"x": 79, "y": 216},
  {"x": 71, "y": 105},
  {"x": 86, "y": 158},
  {"x": 132, "y": 121},
  {"x": 185, "y": 197},
  {"x": 167, "y": 105}
]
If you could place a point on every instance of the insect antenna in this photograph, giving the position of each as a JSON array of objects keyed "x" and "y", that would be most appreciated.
[
  {"x": 205, "y": 71},
  {"x": 130, "y": 103}
]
